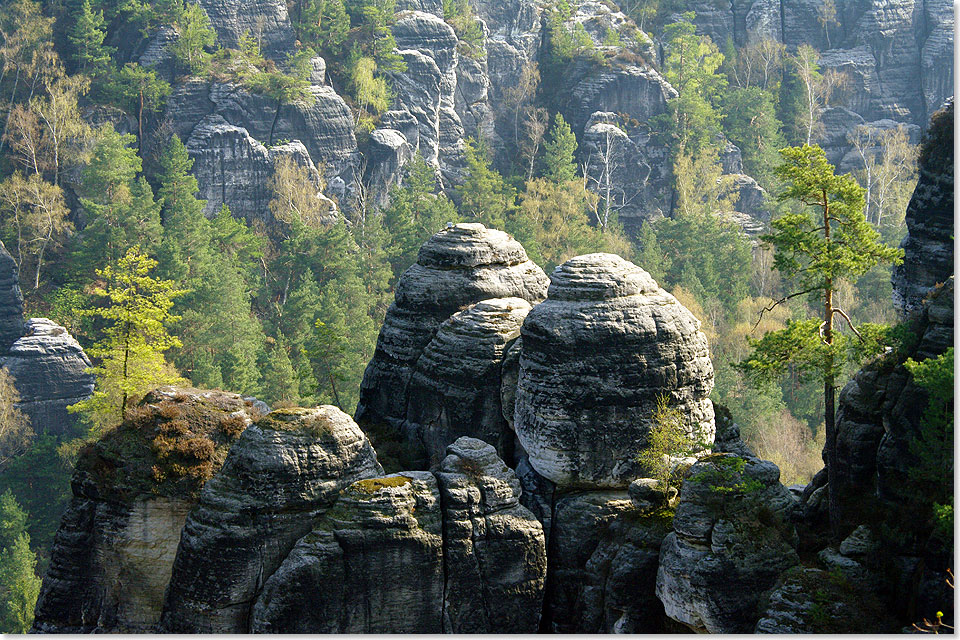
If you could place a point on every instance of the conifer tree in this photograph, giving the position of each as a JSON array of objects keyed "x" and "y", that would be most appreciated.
[
  {"x": 819, "y": 247},
  {"x": 558, "y": 159},
  {"x": 216, "y": 293},
  {"x": 86, "y": 37},
  {"x": 19, "y": 584},
  {"x": 130, "y": 355},
  {"x": 484, "y": 195}
]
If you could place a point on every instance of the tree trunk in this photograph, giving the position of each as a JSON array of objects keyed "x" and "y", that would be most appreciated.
[
  {"x": 140, "y": 126},
  {"x": 276, "y": 116},
  {"x": 829, "y": 395}
]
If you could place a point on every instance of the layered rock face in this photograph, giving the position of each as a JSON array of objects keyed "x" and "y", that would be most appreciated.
[
  {"x": 266, "y": 20},
  {"x": 456, "y": 386},
  {"x": 416, "y": 553},
  {"x": 49, "y": 368},
  {"x": 456, "y": 268},
  {"x": 11, "y": 301},
  {"x": 596, "y": 355},
  {"x": 114, "y": 551},
  {"x": 928, "y": 247},
  {"x": 733, "y": 537},
  {"x": 285, "y": 471}
]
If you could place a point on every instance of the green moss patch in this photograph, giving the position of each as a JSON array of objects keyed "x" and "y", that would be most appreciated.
[{"x": 371, "y": 486}]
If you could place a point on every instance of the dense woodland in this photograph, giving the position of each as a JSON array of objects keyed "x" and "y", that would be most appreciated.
[{"x": 289, "y": 312}]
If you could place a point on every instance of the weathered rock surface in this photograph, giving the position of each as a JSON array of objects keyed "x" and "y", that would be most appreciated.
[
  {"x": 234, "y": 169},
  {"x": 113, "y": 553},
  {"x": 416, "y": 553},
  {"x": 49, "y": 369},
  {"x": 387, "y": 153},
  {"x": 596, "y": 355},
  {"x": 494, "y": 549},
  {"x": 285, "y": 471},
  {"x": 266, "y": 20},
  {"x": 375, "y": 560},
  {"x": 455, "y": 389},
  {"x": 928, "y": 247},
  {"x": 456, "y": 268},
  {"x": 603, "y": 565},
  {"x": 733, "y": 536},
  {"x": 11, "y": 301}
]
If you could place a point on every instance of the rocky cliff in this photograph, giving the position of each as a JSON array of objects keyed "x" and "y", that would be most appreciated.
[{"x": 49, "y": 367}]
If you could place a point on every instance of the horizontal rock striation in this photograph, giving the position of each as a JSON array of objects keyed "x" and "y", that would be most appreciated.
[
  {"x": 733, "y": 535},
  {"x": 285, "y": 471},
  {"x": 494, "y": 553},
  {"x": 596, "y": 356},
  {"x": 456, "y": 268},
  {"x": 49, "y": 369},
  {"x": 113, "y": 553},
  {"x": 372, "y": 564},
  {"x": 455, "y": 389}
]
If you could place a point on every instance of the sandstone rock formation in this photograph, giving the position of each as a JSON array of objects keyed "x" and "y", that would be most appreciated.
[
  {"x": 596, "y": 355},
  {"x": 928, "y": 246},
  {"x": 494, "y": 548},
  {"x": 285, "y": 471},
  {"x": 416, "y": 553},
  {"x": 733, "y": 537},
  {"x": 11, "y": 301},
  {"x": 49, "y": 369},
  {"x": 372, "y": 564},
  {"x": 267, "y": 20},
  {"x": 456, "y": 268},
  {"x": 114, "y": 551},
  {"x": 455, "y": 389}
]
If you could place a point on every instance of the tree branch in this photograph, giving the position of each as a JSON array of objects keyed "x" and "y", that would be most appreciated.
[
  {"x": 776, "y": 303},
  {"x": 849, "y": 322}
]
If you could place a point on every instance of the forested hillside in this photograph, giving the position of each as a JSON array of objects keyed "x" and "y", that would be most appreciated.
[{"x": 260, "y": 174}]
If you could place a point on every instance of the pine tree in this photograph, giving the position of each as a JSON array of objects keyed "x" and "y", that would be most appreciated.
[
  {"x": 19, "y": 584},
  {"x": 195, "y": 35},
  {"x": 216, "y": 293},
  {"x": 130, "y": 355},
  {"x": 559, "y": 152},
  {"x": 91, "y": 57},
  {"x": 818, "y": 248},
  {"x": 484, "y": 195}
]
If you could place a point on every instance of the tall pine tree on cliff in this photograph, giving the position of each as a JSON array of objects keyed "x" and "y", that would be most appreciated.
[{"x": 827, "y": 242}]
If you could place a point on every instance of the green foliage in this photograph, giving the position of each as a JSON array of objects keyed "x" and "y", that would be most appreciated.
[
  {"x": 86, "y": 38},
  {"x": 725, "y": 475},
  {"x": 136, "y": 90},
  {"x": 933, "y": 446},
  {"x": 750, "y": 122},
  {"x": 559, "y": 152},
  {"x": 120, "y": 207},
  {"x": 196, "y": 35},
  {"x": 19, "y": 584},
  {"x": 323, "y": 24},
  {"x": 484, "y": 195},
  {"x": 459, "y": 14},
  {"x": 136, "y": 336},
  {"x": 415, "y": 213},
  {"x": 667, "y": 439}
]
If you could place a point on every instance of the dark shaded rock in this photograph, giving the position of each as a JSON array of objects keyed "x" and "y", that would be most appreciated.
[
  {"x": 928, "y": 246},
  {"x": 494, "y": 549},
  {"x": 733, "y": 536},
  {"x": 376, "y": 557},
  {"x": 113, "y": 553},
  {"x": 266, "y": 20},
  {"x": 11, "y": 301},
  {"x": 456, "y": 268},
  {"x": 456, "y": 386},
  {"x": 49, "y": 369},
  {"x": 285, "y": 471},
  {"x": 603, "y": 565},
  {"x": 596, "y": 355}
]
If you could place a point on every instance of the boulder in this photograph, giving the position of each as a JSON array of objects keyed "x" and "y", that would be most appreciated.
[
  {"x": 11, "y": 301},
  {"x": 596, "y": 356},
  {"x": 375, "y": 560},
  {"x": 733, "y": 535},
  {"x": 49, "y": 370},
  {"x": 285, "y": 471},
  {"x": 455, "y": 389},
  {"x": 494, "y": 549},
  {"x": 113, "y": 553},
  {"x": 456, "y": 268}
]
